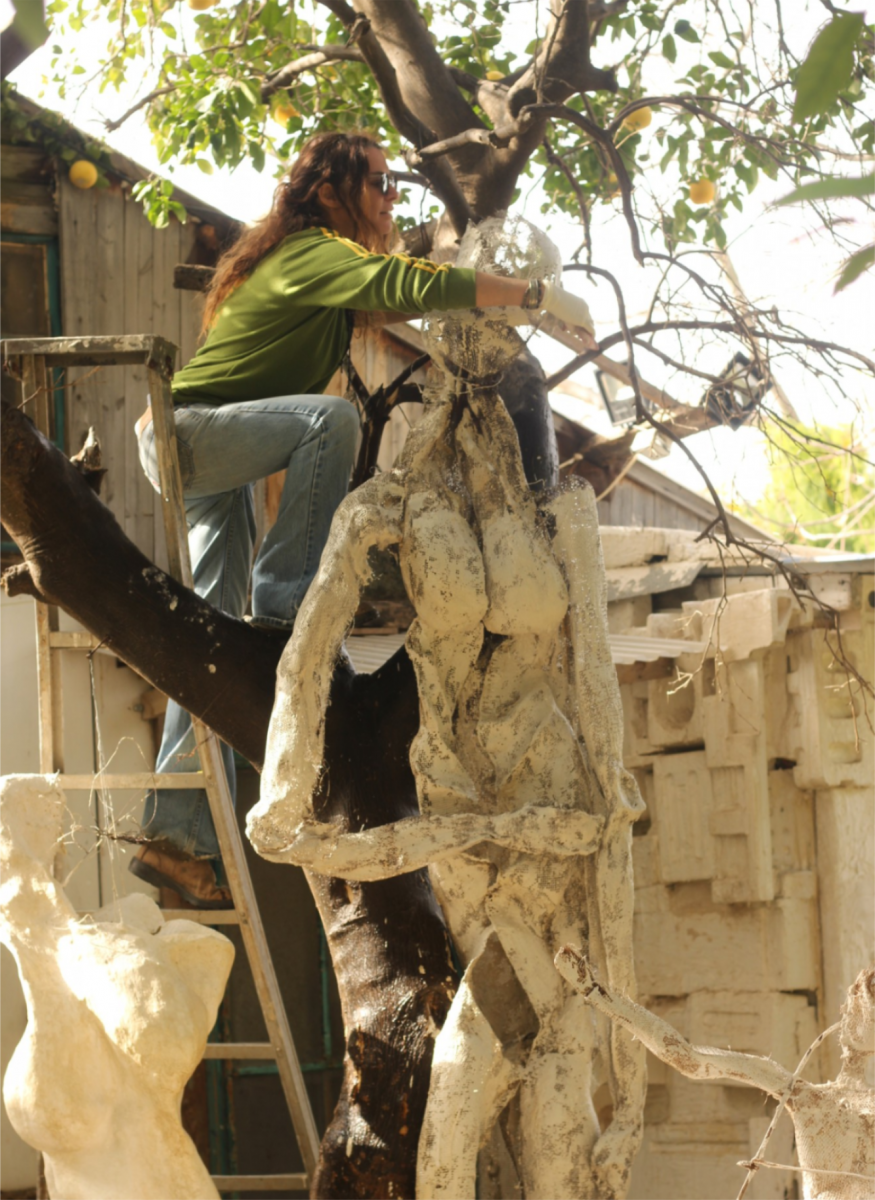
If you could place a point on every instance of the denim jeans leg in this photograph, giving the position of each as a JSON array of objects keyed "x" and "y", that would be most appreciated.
[
  {"x": 222, "y": 450},
  {"x": 221, "y": 536},
  {"x": 317, "y": 480}
]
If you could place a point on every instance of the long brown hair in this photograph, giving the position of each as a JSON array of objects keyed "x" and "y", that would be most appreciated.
[{"x": 340, "y": 159}]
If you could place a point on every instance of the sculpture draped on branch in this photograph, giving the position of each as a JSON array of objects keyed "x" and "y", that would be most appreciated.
[
  {"x": 119, "y": 1008},
  {"x": 525, "y": 807},
  {"x": 834, "y": 1122}
]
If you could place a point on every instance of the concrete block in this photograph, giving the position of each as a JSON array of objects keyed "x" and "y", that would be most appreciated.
[
  {"x": 638, "y": 750},
  {"x": 734, "y": 713},
  {"x": 645, "y": 860},
  {"x": 626, "y": 547},
  {"x": 674, "y": 711},
  {"x": 792, "y": 820},
  {"x": 769, "y": 1183},
  {"x": 825, "y": 731},
  {"x": 744, "y": 625},
  {"x": 846, "y": 868},
  {"x": 624, "y": 615},
  {"x": 684, "y": 803},
  {"x": 683, "y": 946},
  {"x": 680, "y": 1166},
  {"x": 770, "y": 1024},
  {"x": 734, "y": 724}
]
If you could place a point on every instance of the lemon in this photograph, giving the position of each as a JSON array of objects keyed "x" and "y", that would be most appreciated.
[
  {"x": 639, "y": 119},
  {"x": 283, "y": 113},
  {"x": 82, "y": 174},
  {"x": 493, "y": 75},
  {"x": 702, "y": 191},
  {"x": 200, "y": 5}
]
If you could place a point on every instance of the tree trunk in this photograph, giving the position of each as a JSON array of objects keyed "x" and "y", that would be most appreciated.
[{"x": 388, "y": 941}]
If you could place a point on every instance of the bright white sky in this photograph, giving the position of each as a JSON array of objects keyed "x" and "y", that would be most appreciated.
[{"x": 779, "y": 256}]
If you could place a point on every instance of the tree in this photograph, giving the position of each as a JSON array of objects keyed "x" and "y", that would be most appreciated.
[
  {"x": 821, "y": 491},
  {"x": 474, "y": 115}
]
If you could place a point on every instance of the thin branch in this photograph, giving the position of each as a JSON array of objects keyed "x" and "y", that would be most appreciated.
[
  {"x": 319, "y": 56},
  {"x": 111, "y": 126}
]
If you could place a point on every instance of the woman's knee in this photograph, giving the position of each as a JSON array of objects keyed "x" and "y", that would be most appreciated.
[{"x": 341, "y": 419}]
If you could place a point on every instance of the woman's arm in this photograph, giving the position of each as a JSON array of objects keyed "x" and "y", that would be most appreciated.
[{"x": 664, "y": 1041}]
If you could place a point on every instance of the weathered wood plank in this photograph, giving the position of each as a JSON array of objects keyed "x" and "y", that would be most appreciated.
[
  {"x": 25, "y": 163},
  {"x": 140, "y": 496},
  {"x": 40, "y": 219}
]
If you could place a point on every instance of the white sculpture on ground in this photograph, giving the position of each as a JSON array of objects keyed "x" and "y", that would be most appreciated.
[
  {"x": 518, "y": 761},
  {"x": 834, "y": 1122},
  {"x": 119, "y": 1010}
]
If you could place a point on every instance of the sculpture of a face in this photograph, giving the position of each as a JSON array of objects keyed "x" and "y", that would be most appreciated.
[{"x": 858, "y": 1015}]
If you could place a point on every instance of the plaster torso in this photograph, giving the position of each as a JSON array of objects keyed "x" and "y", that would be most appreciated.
[
  {"x": 835, "y": 1127},
  {"x": 95, "y": 1082}
]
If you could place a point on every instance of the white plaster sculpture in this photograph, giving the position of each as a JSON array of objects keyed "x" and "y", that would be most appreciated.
[
  {"x": 834, "y": 1122},
  {"x": 518, "y": 761},
  {"x": 119, "y": 1009}
]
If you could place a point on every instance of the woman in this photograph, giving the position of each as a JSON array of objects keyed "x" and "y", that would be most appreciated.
[{"x": 278, "y": 319}]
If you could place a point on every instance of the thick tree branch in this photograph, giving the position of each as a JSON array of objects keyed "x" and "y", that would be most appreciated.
[{"x": 403, "y": 116}]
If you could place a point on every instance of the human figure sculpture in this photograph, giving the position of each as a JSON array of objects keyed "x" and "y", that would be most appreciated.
[
  {"x": 518, "y": 768},
  {"x": 119, "y": 1009},
  {"x": 834, "y": 1122}
]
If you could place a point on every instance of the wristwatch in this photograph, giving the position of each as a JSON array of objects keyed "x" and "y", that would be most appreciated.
[{"x": 533, "y": 296}]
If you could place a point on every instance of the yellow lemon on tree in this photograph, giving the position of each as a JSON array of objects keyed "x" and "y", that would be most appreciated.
[
  {"x": 639, "y": 119},
  {"x": 200, "y": 5},
  {"x": 82, "y": 173},
  {"x": 494, "y": 75},
  {"x": 284, "y": 112},
  {"x": 702, "y": 191}
]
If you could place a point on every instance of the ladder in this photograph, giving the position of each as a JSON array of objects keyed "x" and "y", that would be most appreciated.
[{"x": 33, "y": 360}]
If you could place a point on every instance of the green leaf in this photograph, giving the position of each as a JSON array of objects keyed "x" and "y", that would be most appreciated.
[
  {"x": 685, "y": 30},
  {"x": 831, "y": 189},
  {"x": 722, "y": 60},
  {"x": 859, "y": 262},
  {"x": 828, "y": 66},
  {"x": 205, "y": 165},
  {"x": 669, "y": 48}
]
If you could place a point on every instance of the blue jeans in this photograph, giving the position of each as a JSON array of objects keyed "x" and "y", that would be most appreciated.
[{"x": 222, "y": 451}]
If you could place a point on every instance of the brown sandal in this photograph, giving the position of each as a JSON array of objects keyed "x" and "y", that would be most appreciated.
[{"x": 192, "y": 878}]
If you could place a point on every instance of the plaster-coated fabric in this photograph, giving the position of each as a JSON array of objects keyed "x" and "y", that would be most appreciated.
[
  {"x": 119, "y": 1008},
  {"x": 526, "y": 808}
]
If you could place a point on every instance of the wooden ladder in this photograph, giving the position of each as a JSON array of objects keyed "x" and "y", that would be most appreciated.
[{"x": 33, "y": 361}]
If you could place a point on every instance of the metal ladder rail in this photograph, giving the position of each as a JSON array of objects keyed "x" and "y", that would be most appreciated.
[{"x": 37, "y": 355}]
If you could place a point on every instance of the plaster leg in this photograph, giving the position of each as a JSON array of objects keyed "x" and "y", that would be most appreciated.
[{"x": 471, "y": 1082}]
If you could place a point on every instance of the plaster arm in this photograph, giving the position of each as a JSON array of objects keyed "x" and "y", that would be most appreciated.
[
  {"x": 663, "y": 1040},
  {"x": 369, "y": 516},
  {"x": 417, "y": 841}
]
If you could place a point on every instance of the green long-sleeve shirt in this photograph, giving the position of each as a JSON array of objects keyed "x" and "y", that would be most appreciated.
[{"x": 284, "y": 330}]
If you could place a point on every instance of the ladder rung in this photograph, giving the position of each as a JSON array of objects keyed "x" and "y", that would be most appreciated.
[
  {"x": 140, "y": 779},
  {"x": 70, "y": 639},
  {"x": 261, "y": 1183},
  {"x": 204, "y": 916},
  {"x": 240, "y": 1050}
]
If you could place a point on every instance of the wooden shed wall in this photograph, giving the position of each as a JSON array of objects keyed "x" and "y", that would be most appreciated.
[{"x": 117, "y": 277}]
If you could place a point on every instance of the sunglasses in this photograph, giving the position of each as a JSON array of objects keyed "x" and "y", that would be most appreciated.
[{"x": 386, "y": 181}]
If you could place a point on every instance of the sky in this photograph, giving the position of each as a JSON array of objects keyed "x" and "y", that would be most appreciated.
[{"x": 778, "y": 255}]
